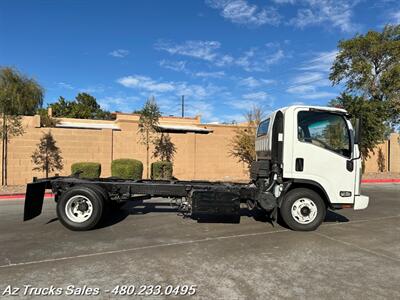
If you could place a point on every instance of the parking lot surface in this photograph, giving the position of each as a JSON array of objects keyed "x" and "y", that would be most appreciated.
[{"x": 353, "y": 255}]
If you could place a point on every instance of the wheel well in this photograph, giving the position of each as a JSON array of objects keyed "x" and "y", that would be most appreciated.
[
  {"x": 319, "y": 190},
  {"x": 60, "y": 190}
]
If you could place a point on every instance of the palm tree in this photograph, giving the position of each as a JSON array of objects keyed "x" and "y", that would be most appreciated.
[{"x": 19, "y": 95}]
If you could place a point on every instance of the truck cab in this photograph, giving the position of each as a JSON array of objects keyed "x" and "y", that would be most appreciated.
[{"x": 312, "y": 152}]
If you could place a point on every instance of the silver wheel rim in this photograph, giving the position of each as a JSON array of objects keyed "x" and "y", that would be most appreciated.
[
  {"x": 79, "y": 209},
  {"x": 304, "y": 211}
]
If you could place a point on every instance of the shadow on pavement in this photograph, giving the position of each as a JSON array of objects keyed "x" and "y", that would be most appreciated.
[
  {"x": 332, "y": 216},
  {"x": 141, "y": 207}
]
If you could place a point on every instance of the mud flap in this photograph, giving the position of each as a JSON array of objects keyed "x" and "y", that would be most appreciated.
[{"x": 34, "y": 200}]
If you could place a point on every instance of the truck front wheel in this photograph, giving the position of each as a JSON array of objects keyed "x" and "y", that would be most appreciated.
[
  {"x": 303, "y": 209},
  {"x": 80, "y": 208}
]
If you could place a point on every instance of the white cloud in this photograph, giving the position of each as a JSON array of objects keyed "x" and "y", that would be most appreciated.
[
  {"x": 254, "y": 99},
  {"x": 308, "y": 77},
  {"x": 256, "y": 59},
  {"x": 309, "y": 92},
  {"x": 336, "y": 13},
  {"x": 394, "y": 17},
  {"x": 121, "y": 103},
  {"x": 65, "y": 85},
  {"x": 198, "y": 49},
  {"x": 321, "y": 62},
  {"x": 202, "y": 108},
  {"x": 93, "y": 89},
  {"x": 146, "y": 83},
  {"x": 120, "y": 53},
  {"x": 242, "y": 12},
  {"x": 301, "y": 89},
  {"x": 285, "y": 1},
  {"x": 224, "y": 60},
  {"x": 256, "y": 96},
  {"x": 251, "y": 82},
  {"x": 173, "y": 65},
  {"x": 318, "y": 95},
  {"x": 275, "y": 57},
  {"x": 218, "y": 74},
  {"x": 307, "y": 85}
]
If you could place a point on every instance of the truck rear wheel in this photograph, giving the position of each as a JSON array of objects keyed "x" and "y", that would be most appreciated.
[
  {"x": 80, "y": 208},
  {"x": 303, "y": 209}
]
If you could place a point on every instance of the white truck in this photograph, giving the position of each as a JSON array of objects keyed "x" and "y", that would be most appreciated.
[{"x": 308, "y": 161}]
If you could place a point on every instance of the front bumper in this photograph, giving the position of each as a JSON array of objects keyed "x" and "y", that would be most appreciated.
[{"x": 360, "y": 202}]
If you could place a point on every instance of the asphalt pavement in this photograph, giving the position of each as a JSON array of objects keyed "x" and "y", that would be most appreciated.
[{"x": 353, "y": 255}]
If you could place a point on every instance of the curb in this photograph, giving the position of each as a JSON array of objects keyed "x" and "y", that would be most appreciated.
[
  {"x": 21, "y": 196},
  {"x": 388, "y": 180}
]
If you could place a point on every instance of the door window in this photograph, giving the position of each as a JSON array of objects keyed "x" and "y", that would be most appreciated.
[
  {"x": 263, "y": 128},
  {"x": 325, "y": 130}
]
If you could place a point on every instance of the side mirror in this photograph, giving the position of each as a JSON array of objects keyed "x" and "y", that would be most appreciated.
[
  {"x": 357, "y": 132},
  {"x": 357, "y": 141}
]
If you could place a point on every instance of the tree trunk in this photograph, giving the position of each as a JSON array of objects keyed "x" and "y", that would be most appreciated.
[
  {"x": 5, "y": 155},
  {"x": 147, "y": 153},
  {"x": 47, "y": 164},
  {"x": 3, "y": 180}
]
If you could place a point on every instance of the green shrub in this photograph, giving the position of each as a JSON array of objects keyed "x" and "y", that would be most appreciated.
[
  {"x": 126, "y": 168},
  {"x": 89, "y": 169},
  {"x": 161, "y": 170}
]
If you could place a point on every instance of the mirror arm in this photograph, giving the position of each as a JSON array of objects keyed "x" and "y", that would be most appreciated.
[{"x": 355, "y": 158}]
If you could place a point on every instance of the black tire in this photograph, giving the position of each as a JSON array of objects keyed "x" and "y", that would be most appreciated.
[
  {"x": 106, "y": 198},
  {"x": 96, "y": 200},
  {"x": 110, "y": 205},
  {"x": 298, "y": 222}
]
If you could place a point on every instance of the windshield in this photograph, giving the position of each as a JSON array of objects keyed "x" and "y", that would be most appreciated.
[{"x": 326, "y": 130}]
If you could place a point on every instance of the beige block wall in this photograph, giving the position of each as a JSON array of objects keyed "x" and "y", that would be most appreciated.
[
  {"x": 395, "y": 153},
  {"x": 391, "y": 153},
  {"x": 199, "y": 156},
  {"x": 371, "y": 165}
]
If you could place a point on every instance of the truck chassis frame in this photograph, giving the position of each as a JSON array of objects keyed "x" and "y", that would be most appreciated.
[{"x": 202, "y": 197}]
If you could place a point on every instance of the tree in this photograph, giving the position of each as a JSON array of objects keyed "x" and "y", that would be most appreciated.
[
  {"x": 148, "y": 122},
  {"x": 164, "y": 148},
  {"x": 369, "y": 66},
  {"x": 84, "y": 106},
  {"x": 45, "y": 119},
  {"x": 47, "y": 156},
  {"x": 19, "y": 95},
  {"x": 381, "y": 160},
  {"x": 243, "y": 143}
]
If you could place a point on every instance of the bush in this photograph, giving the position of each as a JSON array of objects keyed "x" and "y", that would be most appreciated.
[
  {"x": 161, "y": 170},
  {"x": 126, "y": 168},
  {"x": 89, "y": 169}
]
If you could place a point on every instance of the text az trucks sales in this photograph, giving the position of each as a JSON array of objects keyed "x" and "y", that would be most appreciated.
[{"x": 29, "y": 290}]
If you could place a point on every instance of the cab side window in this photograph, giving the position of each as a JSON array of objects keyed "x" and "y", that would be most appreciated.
[
  {"x": 325, "y": 130},
  {"x": 263, "y": 128}
]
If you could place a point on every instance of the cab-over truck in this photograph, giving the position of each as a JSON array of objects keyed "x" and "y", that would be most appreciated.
[{"x": 307, "y": 161}]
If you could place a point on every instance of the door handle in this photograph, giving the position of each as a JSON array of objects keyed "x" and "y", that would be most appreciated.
[{"x": 299, "y": 164}]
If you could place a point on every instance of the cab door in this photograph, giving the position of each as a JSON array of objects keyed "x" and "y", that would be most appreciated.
[{"x": 322, "y": 147}]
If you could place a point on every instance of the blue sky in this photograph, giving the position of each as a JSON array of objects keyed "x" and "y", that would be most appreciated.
[{"x": 224, "y": 55}]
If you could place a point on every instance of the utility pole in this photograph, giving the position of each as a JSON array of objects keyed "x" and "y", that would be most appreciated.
[{"x": 183, "y": 106}]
